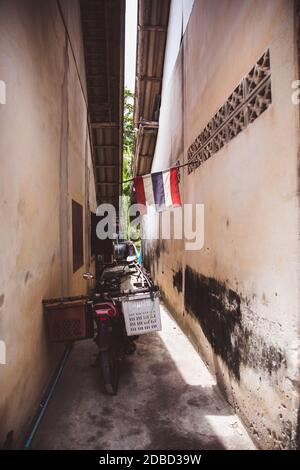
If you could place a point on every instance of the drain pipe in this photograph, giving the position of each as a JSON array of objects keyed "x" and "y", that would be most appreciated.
[{"x": 44, "y": 403}]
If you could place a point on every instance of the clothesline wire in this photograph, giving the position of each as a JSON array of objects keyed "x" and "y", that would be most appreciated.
[{"x": 163, "y": 171}]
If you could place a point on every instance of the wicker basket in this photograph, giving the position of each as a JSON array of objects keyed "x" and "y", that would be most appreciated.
[{"x": 68, "y": 319}]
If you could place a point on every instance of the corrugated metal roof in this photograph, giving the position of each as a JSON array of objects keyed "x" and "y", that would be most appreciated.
[
  {"x": 153, "y": 17},
  {"x": 103, "y": 26}
]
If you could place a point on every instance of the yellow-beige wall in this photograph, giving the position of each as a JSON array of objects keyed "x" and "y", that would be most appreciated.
[{"x": 45, "y": 163}]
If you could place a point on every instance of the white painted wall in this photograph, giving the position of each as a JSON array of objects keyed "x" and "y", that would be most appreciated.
[{"x": 180, "y": 11}]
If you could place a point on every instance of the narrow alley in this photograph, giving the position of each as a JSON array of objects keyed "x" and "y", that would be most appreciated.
[
  {"x": 167, "y": 399},
  {"x": 150, "y": 221}
]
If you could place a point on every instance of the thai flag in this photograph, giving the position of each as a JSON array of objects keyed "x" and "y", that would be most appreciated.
[{"x": 160, "y": 189}]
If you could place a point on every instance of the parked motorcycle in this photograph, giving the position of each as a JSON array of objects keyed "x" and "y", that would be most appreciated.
[
  {"x": 123, "y": 304},
  {"x": 110, "y": 341},
  {"x": 111, "y": 337}
]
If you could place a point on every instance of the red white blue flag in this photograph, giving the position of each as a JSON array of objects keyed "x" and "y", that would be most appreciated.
[{"x": 160, "y": 189}]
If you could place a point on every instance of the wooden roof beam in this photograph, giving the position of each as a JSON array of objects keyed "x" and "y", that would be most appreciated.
[
  {"x": 106, "y": 147},
  {"x": 161, "y": 29},
  {"x": 103, "y": 165},
  {"x": 104, "y": 125}
]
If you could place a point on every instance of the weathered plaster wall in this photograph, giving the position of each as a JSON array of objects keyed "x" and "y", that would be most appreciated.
[
  {"x": 45, "y": 163},
  {"x": 238, "y": 297}
]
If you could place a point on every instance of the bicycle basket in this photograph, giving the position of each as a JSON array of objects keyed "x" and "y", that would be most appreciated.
[{"x": 141, "y": 314}]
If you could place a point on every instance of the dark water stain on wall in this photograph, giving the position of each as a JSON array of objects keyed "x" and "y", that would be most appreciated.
[
  {"x": 157, "y": 254},
  {"x": 28, "y": 276},
  {"x": 151, "y": 256},
  {"x": 177, "y": 280},
  {"x": 218, "y": 310},
  {"x": 147, "y": 259}
]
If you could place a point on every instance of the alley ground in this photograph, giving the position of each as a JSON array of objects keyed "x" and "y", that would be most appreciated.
[{"x": 167, "y": 399}]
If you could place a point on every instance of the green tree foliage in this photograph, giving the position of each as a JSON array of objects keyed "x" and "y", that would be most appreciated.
[
  {"x": 131, "y": 231},
  {"x": 128, "y": 140}
]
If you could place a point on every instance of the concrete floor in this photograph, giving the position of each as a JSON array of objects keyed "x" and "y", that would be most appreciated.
[{"x": 167, "y": 399}]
